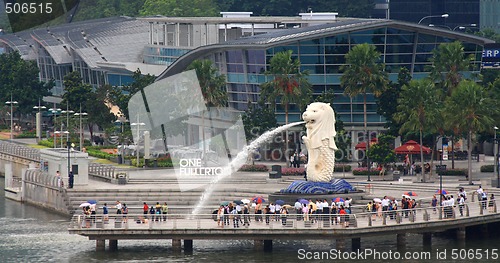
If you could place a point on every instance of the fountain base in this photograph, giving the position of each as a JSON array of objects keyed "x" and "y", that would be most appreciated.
[
  {"x": 307, "y": 187},
  {"x": 315, "y": 190}
]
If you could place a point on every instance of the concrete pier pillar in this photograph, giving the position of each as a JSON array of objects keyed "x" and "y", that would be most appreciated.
[
  {"x": 113, "y": 245},
  {"x": 258, "y": 245},
  {"x": 427, "y": 240},
  {"x": 188, "y": 245},
  {"x": 340, "y": 244},
  {"x": 484, "y": 231},
  {"x": 461, "y": 234},
  {"x": 100, "y": 245},
  {"x": 176, "y": 245},
  {"x": 356, "y": 244},
  {"x": 268, "y": 245},
  {"x": 401, "y": 241}
]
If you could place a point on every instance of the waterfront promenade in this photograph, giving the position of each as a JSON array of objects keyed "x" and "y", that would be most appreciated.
[{"x": 182, "y": 226}]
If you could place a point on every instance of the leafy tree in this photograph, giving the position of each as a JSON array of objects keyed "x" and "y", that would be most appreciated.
[
  {"x": 383, "y": 151},
  {"x": 257, "y": 119},
  {"x": 79, "y": 95},
  {"x": 212, "y": 84},
  {"x": 213, "y": 89},
  {"x": 418, "y": 105},
  {"x": 179, "y": 8},
  {"x": 92, "y": 9},
  {"x": 19, "y": 78},
  {"x": 120, "y": 96},
  {"x": 363, "y": 75},
  {"x": 472, "y": 109},
  {"x": 387, "y": 102},
  {"x": 288, "y": 83}
]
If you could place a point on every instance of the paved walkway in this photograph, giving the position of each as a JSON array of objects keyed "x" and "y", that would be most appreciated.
[{"x": 258, "y": 182}]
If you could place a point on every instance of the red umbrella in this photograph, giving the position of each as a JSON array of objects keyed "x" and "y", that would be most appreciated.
[
  {"x": 410, "y": 193},
  {"x": 258, "y": 199},
  {"x": 411, "y": 147},
  {"x": 362, "y": 145}
]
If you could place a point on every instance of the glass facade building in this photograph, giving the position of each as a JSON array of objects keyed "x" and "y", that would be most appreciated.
[{"x": 321, "y": 51}]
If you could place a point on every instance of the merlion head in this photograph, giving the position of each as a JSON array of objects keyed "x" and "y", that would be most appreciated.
[{"x": 320, "y": 124}]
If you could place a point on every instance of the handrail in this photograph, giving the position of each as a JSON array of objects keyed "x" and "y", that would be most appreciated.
[{"x": 277, "y": 221}]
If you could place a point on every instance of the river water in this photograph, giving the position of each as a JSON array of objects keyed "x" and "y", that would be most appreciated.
[{"x": 32, "y": 234}]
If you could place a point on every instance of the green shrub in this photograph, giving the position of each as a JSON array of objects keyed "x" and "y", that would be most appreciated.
[
  {"x": 364, "y": 171},
  {"x": 459, "y": 172},
  {"x": 342, "y": 168},
  {"x": 487, "y": 168},
  {"x": 100, "y": 154},
  {"x": 253, "y": 168},
  {"x": 47, "y": 143},
  {"x": 27, "y": 134}
]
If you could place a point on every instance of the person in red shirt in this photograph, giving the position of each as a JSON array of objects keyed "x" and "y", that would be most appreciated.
[{"x": 145, "y": 208}]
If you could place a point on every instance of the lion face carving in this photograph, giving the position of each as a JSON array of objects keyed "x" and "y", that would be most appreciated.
[{"x": 320, "y": 124}]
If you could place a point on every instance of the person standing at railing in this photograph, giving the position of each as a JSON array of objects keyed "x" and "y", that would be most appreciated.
[
  {"x": 298, "y": 209},
  {"x": 305, "y": 212},
  {"x": 491, "y": 203},
  {"x": 118, "y": 207},
  {"x": 267, "y": 212},
  {"x": 220, "y": 216},
  {"x": 461, "y": 204},
  {"x": 434, "y": 203},
  {"x": 105, "y": 212},
  {"x": 164, "y": 210},
  {"x": 246, "y": 216},
  {"x": 284, "y": 214},
  {"x": 326, "y": 210},
  {"x": 236, "y": 218},
  {"x": 145, "y": 210},
  {"x": 158, "y": 211}
]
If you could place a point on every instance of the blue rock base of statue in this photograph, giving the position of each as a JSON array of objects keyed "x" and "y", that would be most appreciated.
[{"x": 307, "y": 187}]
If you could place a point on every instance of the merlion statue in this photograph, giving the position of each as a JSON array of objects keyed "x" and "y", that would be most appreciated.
[{"x": 320, "y": 143}]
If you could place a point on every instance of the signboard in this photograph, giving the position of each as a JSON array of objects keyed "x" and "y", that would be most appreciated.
[
  {"x": 445, "y": 152},
  {"x": 491, "y": 56}
]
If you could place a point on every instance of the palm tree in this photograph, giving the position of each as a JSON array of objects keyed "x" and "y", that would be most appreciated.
[
  {"x": 448, "y": 63},
  {"x": 418, "y": 103},
  {"x": 213, "y": 89},
  {"x": 363, "y": 75},
  {"x": 288, "y": 84},
  {"x": 472, "y": 110}
]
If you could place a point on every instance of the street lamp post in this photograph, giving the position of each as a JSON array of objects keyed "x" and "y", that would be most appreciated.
[
  {"x": 81, "y": 114},
  {"x": 39, "y": 120},
  {"x": 462, "y": 27},
  {"x": 55, "y": 111},
  {"x": 138, "y": 124},
  {"x": 495, "y": 154},
  {"x": 11, "y": 103},
  {"x": 121, "y": 120},
  {"x": 67, "y": 111},
  {"x": 425, "y": 17}
]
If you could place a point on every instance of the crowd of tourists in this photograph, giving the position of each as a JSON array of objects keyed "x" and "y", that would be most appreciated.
[{"x": 306, "y": 210}]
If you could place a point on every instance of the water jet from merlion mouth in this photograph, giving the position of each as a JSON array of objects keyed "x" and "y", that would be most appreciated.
[{"x": 238, "y": 161}]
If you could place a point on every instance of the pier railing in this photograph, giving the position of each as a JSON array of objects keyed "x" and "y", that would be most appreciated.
[{"x": 289, "y": 221}]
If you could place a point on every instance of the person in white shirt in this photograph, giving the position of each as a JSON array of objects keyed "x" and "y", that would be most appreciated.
[
  {"x": 461, "y": 202},
  {"x": 272, "y": 211},
  {"x": 278, "y": 211},
  {"x": 385, "y": 204},
  {"x": 298, "y": 209},
  {"x": 347, "y": 202}
]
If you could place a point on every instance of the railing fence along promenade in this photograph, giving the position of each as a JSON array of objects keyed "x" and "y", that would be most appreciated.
[
  {"x": 107, "y": 172},
  {"x": 188, "y": 227},
  {"x": 17, "y": 150}
]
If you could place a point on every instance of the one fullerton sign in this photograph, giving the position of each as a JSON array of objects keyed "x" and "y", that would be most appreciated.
[{"x": 194, "y": 167}]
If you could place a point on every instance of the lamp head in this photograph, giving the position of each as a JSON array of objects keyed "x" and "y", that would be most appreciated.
[{"x": 445, "y": 15}]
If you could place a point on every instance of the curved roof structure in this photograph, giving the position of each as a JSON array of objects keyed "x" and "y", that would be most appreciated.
[{"x": 286, "y": 36}]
